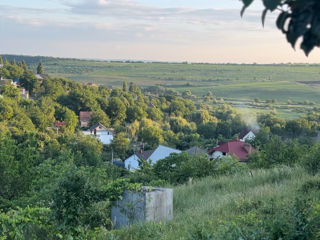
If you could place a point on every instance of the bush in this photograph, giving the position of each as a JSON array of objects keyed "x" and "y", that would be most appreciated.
[{"x": 312, "y": 160}]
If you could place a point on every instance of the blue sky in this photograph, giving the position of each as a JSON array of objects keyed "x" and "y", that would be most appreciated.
[{"x": 167, "y": 30}]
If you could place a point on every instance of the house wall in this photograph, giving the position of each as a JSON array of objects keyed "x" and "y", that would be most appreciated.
[
  {"x": 217, "y": 154},
  {"x": 105, "y": 137},
  {"x": 84, "y": 124},
  {"x": 250, "y": 136},
  {"x": 132, "y": 162}
]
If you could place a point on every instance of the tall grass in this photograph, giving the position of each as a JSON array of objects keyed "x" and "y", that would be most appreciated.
[{"x": 207, "y": 208}]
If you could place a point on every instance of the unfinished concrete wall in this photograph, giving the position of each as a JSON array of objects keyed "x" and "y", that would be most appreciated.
[{"x": 151, "y": 204}]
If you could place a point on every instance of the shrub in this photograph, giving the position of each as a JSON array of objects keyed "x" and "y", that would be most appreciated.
[{"x": 312, "y": 160}]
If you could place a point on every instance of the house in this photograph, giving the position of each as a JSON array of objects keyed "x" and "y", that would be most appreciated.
[
  {"x": 248, "y": 135},
  {"x": 16, "y": 82},
  {"x": 6, "y": 82},
  {"x": 85, "y": 118},
  {"x": 23, "y": 93},
  {"x": 118, "y": 163},
  {"x": 91, "y": 84},
  {"x": 196, "y": 151},
  {"x": 104, "y": 135},
  {"x": 41, "y": 77},
  {"x": 236, "y": 148},
  {"x": 59, "y": 124},
  {"x": 153, "y": 156}
]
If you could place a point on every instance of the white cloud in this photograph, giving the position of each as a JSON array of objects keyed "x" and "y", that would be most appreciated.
[{"x": 127, "y": 29}]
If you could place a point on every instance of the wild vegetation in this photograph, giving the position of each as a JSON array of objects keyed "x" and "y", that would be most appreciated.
[{"x": 57, "y": 183}]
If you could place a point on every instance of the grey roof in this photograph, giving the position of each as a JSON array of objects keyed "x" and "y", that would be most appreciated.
[
  {"x": 118, "y": 163},
  {"x": 97, "y": 125},
  {"x": 196, "y": 151},
  {"x": 145, "y": 154},
  {"x": 162, "y": 152}
]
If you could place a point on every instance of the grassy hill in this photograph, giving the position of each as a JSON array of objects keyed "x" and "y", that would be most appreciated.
[
  {"x": 262, "y": 204},
  {"x": 236, "y": 84}
]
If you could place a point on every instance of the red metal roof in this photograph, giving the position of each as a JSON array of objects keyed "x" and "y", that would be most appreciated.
[
  {"x": 85, "y": 116},
  {"x": 59, "y": 124},
  {"x": 235, "y": 147}
]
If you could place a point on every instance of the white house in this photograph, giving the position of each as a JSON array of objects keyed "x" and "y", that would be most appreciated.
[
  {"x": 160, "y": 152},
  {"x": 104, "y": 135},
  {"x": 247, "y": 135}
]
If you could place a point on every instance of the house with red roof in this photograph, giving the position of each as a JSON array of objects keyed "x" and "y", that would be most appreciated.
[
  {"x": 58, "y": 124},
  {"x": 85, "y": 118},
  {"x": 236, "y": 148}
]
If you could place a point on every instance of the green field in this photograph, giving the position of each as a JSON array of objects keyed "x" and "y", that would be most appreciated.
[{"x": 237, "y": 84}]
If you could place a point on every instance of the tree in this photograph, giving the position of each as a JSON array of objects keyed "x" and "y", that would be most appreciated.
[
  {"x": 311, "y": 161},
  {"x": 125, "y": 87},
  {"x": 200, "y": 117},
  {"x": 10, "y": 91},
  {"x": 207, "y": 130},
  {"x": 132, "y": 87},
  {"x": 135, "y": 113},
  {"x": 120, "y": 145},
  {"x": 29, "y": 81},
  {"x": 297, "y": 19},
  {"x": 1, "y": 60},
  {"x": 23, "y": 65},
  {"x": 151, "y": 135},
  {"x": 99, "y": 116},
  {"x": 6, "y": 111},
  {"x": 155, "y": 114},
  {"x": 116, "y": 110},
  {"x": 14, "y": 70},
  {"x": 40, "y": 69}
]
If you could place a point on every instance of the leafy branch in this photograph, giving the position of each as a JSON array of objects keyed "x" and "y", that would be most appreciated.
[{"x": 297, "y": 19}]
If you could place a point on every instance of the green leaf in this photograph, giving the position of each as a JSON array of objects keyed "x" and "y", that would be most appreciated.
[
  {"x": 292, "y": 35},
  {"x": 271, "y": 4},
  {"x": 246, "y": 4},
  {"x": 281, "y": 20},
  {"x": 263, "y": 17}
]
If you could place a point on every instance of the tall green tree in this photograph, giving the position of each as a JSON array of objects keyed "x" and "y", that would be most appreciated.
[
  {"x": 125, "y": 86},
  {"x": 40, "y": 69},
  {"x": 29, "y": 81},
  {"x": 14, "y": 62},
  {"x": 116, "y": 110},
  {"x": 120, "y": 145}
]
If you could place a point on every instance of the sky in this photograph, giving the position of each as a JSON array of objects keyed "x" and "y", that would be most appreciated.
[{"x": 159, "y": 30}]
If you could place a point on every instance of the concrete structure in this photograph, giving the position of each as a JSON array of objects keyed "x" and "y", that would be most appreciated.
[
  {"x": 160, "y": 152},
  {"x": 154, "y": 204}
]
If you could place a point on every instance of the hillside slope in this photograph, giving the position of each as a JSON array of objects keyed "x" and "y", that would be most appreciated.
[{"x": 262, "y": 204}]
